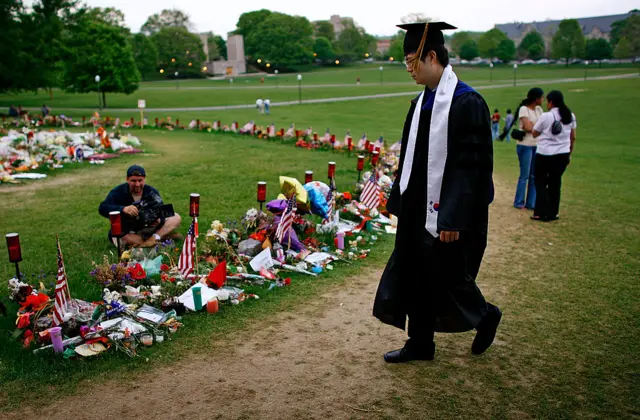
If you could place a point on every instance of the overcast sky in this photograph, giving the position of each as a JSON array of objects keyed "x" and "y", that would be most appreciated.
[{"x": 377, "y": 17}]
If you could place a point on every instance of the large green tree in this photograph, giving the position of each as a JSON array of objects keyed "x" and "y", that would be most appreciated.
[
  {"x": 177, "y": 47},
  {"x": 489, "y": 42},
  {"x": 324, "y": 28},
  {"x": 145, "y": 54},
  {"x": 282, "y": 40},
  {"x": 598, "y": 49},
  {"x": 95, "y": 48},
  {"x": 11, "y": 49},
  {"x": 506, "y": 50},
  {"x": 323, "y": 49},
  {"x": 458, "y": 40},
  {"x": 247, "y": 26},
  {"x": 631, "y": 32},
  {"x": 532, "y": 46},
  {"x": 568, "y": 42},
  {"x": 469, "y": 50},
  {"x": 168, "y": 18},
  {"x": 42, "y": 35},
  {"x": 623, "y": 49},
  {"x": 352, "y": 43},
  {"x": 221, "y": 45}
]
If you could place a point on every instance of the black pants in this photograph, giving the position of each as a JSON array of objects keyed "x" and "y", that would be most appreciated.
[{"x": 548, "y": 179}]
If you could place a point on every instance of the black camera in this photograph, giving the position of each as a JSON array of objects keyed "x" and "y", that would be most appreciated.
[{"x": 152, "y": 213}]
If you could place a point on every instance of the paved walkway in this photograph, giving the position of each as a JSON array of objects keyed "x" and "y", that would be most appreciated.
[{"x": 522, "y": 83}]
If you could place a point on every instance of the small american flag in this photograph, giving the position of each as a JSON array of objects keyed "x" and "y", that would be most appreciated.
[
  {"x": 287, "y": 219},
  {"x": 185, "y": 263},
  {"x": 370, "y": 196},
  {"x": 62, "y": 289},
  {"x": 331, "y": 200}
]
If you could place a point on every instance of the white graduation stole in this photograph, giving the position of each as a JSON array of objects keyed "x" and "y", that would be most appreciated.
[{"x": 438, "y": 133}]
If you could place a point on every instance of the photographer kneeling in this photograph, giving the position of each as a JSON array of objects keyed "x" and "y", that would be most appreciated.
[{"x": 145, "y": 219}]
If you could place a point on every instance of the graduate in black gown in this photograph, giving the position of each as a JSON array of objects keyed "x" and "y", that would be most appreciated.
[{"x": 441, "y": 197}]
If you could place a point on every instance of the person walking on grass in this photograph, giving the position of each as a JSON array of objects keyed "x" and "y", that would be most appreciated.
[
  {"x": 495, "y": 125},
  {"x": 508, "y": 122},
  {"x": 441, "y": 199},
  {"x": 556, "y": 134},
  {"x": 528, "y": 113}
]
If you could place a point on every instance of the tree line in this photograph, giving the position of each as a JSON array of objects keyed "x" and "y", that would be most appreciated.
[
  {"x": 65, "y": 44},
  {"x": 567, "y": 43}
]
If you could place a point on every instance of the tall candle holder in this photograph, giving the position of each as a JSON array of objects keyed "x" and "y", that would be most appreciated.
[{"x": 15, "y": 252}]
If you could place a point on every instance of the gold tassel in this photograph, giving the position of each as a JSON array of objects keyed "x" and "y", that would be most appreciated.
[{"x": 418, "y": 58}]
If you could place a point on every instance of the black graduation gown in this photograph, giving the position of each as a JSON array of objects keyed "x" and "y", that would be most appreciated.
[{"x": 437, "y": 277}]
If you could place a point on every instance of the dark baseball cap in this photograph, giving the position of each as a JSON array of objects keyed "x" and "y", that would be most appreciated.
[{"x": 136, "y": 170}]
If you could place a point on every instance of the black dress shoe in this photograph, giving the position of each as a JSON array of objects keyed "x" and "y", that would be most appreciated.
[
  {"x": 409, "y": 353},
  {"x": 486, "y": 331}
]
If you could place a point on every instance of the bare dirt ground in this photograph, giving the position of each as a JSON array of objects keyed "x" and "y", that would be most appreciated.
[{"x": 322, "y": 360}]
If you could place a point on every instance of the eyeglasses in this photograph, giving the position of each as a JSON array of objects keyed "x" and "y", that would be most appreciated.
[{"x": 408, "y": 62}]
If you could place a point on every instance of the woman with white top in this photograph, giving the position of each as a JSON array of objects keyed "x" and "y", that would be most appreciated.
[
  {"x": 556, "y": 135},
  {"x": 528, "y": 113}
]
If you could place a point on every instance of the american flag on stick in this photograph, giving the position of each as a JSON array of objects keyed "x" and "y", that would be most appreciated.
[
  {"x": 186, "y": 261},
  {"x": 62, "y": 295},
  {"x": 370, "y": 196},
  {"x": 287, "y": 218}
]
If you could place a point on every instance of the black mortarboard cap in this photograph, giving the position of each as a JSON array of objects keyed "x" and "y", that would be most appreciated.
[{"x": 416, "y": 33}]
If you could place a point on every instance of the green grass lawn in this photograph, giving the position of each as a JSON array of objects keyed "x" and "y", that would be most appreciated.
[
  {"x": 571, "y": 322},
  {"x": 194, "y": 93}
]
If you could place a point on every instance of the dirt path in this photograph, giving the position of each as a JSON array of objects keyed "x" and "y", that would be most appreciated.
[{"x": 322, "y": 360}]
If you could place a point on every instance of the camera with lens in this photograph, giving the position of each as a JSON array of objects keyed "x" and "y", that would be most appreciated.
[{"x": 152, "y": 213}]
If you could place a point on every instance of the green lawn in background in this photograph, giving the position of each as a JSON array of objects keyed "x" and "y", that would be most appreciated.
[
  {"x": 199, "y": 93},
  {"x": 572, "y": 322}
]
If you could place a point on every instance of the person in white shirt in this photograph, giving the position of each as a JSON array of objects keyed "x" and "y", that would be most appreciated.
[
  {"x": 260, "y": 105},
  {"x": 528, "y": 113},
  {"x": 555, "y": 131}
]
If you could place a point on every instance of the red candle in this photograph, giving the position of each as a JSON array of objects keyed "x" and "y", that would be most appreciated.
[
  {"x": 13, "y": 245},
  {"x": 371, "y": 148},
  {"x": 360, "y": 163},
  {"x": 366, "y": 145},
  {"x": 374, "y": 158},
  {"x": 282, "y": 132},
  {"x": 262, "y": 191},
  {"x": 132, "y": 122},
  {"x": 377, "y": 149},
  {"x": 177, "y": 122},
  {"x": 156, "y": 121},
  {"x": 219, "y": 123},
  {"x": 194, "y": 205},
  {"x": 116, "y": 223},
  {"x": 315, "y": 136},
  {"x": 332, "y": 170},
  {"x": 333, "y": 138},
  {"x": 308, "y": 177},
  {"x": 198, "y": 123},
  {"x": 349, "y": 142}
]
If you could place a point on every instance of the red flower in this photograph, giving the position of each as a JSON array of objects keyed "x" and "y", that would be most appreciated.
[
  {"x": 164, "y": 276},
  {"x": 172, "y": 280},
  {"x": 35, "y": 302},
  {"x": 24, "y": 320},
  {"x": 287, "y": 281},
  {"x": 137, "y": 272},
  {"x": 28, "y": 338},
  {"x": 164, "y": 267},
  {"x": 347, "y": 195}
]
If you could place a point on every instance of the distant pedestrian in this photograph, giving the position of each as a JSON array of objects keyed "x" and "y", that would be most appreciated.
[
  {"x": 358, "y": 80},
  {"x": 45, "y": 111},
  {"x": 260, "y": 105},
  {"x": 495, "y": 124},
  {"x": 556, "y": 134},
  {"x": 267, "y": 102},
  {"x": 508, "y": 122},
  {"x": 13, "y": 111}
]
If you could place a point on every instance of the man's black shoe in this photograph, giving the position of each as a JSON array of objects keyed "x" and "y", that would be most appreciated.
[
  {"x": 486, "y": 331},
  {"x": 409, "y": 353}
]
